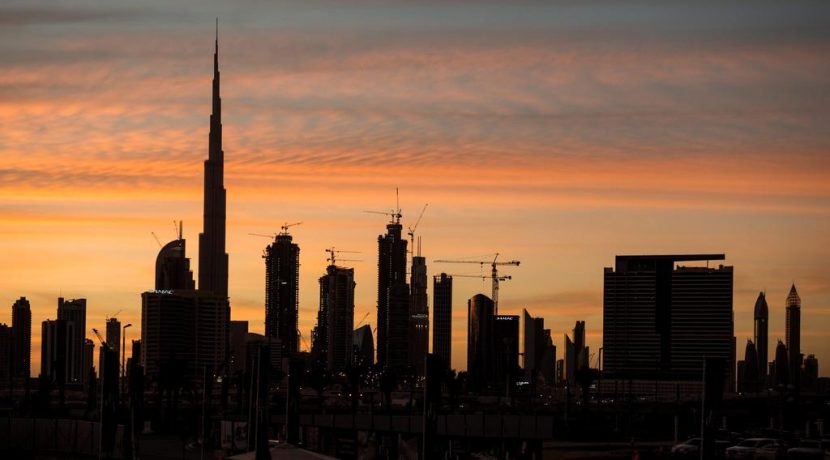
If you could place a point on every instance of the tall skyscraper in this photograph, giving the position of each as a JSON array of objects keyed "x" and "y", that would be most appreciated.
[
  {"x": 364, "y": 346},
  {"x": 793, "y": 334},
  {"x": 282, "y": 272},
  {"x": 749, "y": 376},
  {"x": 576, "y": 353},
  {"x": 418, "y": 315},
  {"x": 505, "y": 350},
  {"x": 173, "y": 266},
  {"x": 442, "y": 318},
  {"x": 114, "y": 335},
  {"x": 337, "y": 285},
  {"x": 660, "y": 322},
  {"x": 74, "y": 311},
  {"x": 21, "y": 338},
  {"x": 480, "y": 340},
  {"x": 57, "y": 346},
  {"x": 782, "y": 366},
  {"x": 397, "y": 329},
  {"x": 5, "y": 353},
  {"x": 391, "y": 271},
  {"x": 238, "y": 335},
  {"x": 213, "y": 260},
  {"x": 89, "y": 357},
  {"x": 762, "y": 335},
  {"x": 539, "y": 351}
]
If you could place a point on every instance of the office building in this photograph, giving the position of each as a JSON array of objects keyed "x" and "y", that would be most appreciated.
[
  {"x": 809, "y": 379},
  {"x": 659, "y": 322},
  {"x": 418, "y": 315},
  {"x": 282, "y": 275},
  {"x": 213, "y": 260},
  {"x": 748, "y": 373},
  {"x": 762, "y": 335},
  {"x": 238, "y": 334},
  {"x": 113, "y": 330},
  {"x": 56, "y": 350},
  {"x": 442, "y": 318},
  {"x": 5, "y": 353},
  {"x": 793, "y": 335},
  {"x": 397, "y": 328},
  {"x": 89, "y": 358},
  {"x": 364, "y": 346},
  {"x": 781, "y": 366},
  {"x": 21, "y": 338},
  {"x": 576, "y": 353},
  {"x": 539, "y": 351},
  {"x": 391, "y": 271},
  {"x": 74, "y": 313},
  {"x": 480, "y": 340},
  {"x": 337, "y": 299},
  {"x": 505, "y": 350}
]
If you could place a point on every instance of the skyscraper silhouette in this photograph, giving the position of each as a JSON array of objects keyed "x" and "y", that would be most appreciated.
[
  {"x": 21, "y": 338},
  {"x": 337, "y": 286},
  {"x": 793, "y": 334},
  {"x": 480, "y": 339},
  {"x": 418, "y": 315},
  {"x": 282, "y": 271},
  {"x": 74, "y": 311},
  {"x": 762, "y": 335},
  {"x": 442, "y": 318},
  {"x": 505, "y": 350},
  {"x": 213, "y": 260},
  {"x": 391, "y": 271}
]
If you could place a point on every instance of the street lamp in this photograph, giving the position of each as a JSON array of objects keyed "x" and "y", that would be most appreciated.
[{"x": 123, "y": 353}]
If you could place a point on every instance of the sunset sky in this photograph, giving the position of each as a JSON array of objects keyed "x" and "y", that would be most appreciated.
[{"x": 558, "y": 133}]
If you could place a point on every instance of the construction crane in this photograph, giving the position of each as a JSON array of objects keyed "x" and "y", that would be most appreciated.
[
  {"x": 494, "y": 274},
  {"x": 411, "y": 231},
  {"x": 157, "y": 239},
  {"x": 115, "y": 314},
  {"x": 362, "y": 320},
  {"x": 332, "y": 258},
  {"x": 101, "y": 339},
  {"x": 284, "y": 227},
  {"x": 394, "y": 214}
]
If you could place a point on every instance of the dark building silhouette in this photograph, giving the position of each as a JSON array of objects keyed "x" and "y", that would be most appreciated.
[
  {"x": 114, "y": 338},
  {"x": 576, "y": 353},
  {"x": 748, "y": 373},
  {"x": 793, "y": 334},
  {"x": 21, "y": 346},
  {"x": 505, "y": 350},
  {"x": 74, "y": 311},
  {"x": 762, "y": 335},
  {"x": 89, "y": 357},
  {"x": 337, "y": 298},
  {"x": 480, "y": 339},
  {"x": 418, "y": 315},
  {"x": 282, "y": 275},
  {"x": 56, "y": 349},
  {"x": 5, "y": 353},
  {"x": 364, "y": 346},
  {"x": 182, "y": 328},
  {"x": 320, "y": 334},
  {"x": 173, "y": 267},
  {"x": 809, "y": 379},
  {"x": 539, "y": 351},
  {"x": 659, "y": 322},
  {"x": 781, "y": 366},
  {"x": 213, "y": 260},
  {"x": 442, "y": 318},
  {"x": 397, "y": 329},
  {"x": 238, "y": 334},
  {"x": 391, "y": 271}
]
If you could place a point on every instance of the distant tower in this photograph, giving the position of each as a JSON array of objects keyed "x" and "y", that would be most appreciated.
[
  {"x": 391, "y": 271},
  {"x": 480, "y": 339},
  {"x": 418, "y": 315},
  {"x": 793, "y": 334},
  {"x": 762, "y": 335},
  {"x": 750, "y": 377},
  {"x": 173, "y": 267},
  {"x": 74, "y": 311},
  {"x": 337, "y": 286},
  {"x": 113, "y": 331},
  {"x": 282, "y": 272},
  {"x": 21, "y": 338},
  {"x": 782, "y": 367},
  {"x": 442, "y": 318},
  {"x": 213, "y": 260}
]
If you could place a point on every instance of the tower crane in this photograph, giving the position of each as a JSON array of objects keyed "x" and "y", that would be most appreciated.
[
  {"x": 157, "y": 239},
  {"x": 362, "y": 320},
  {"x": 411, "y": 231},
  {"x": 394, "y": 214},
  {"x": 284, "y": 231},
  {"x": 332, "y": 258},
  {"x": 494, "y": 273},
  {"x": 101, "y": 339}
]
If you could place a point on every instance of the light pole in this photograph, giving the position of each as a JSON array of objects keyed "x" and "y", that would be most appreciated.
[{"x": 123, "y": 354}]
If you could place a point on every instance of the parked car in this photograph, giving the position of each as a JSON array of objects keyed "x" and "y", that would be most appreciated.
[
  {"x": 810, "y": 450},
  {"x": 756, "y": 449},
  {"x": 687, "y": 449}
]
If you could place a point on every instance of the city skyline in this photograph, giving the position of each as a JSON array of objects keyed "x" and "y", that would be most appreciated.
[{"x": 108, "y": 215}]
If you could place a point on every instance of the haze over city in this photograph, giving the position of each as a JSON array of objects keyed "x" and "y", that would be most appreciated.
[{"x": 558, "y": 134}]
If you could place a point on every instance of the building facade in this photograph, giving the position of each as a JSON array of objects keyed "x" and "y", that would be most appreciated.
[
  {"x": 442, "y": 318},
  {"x": 762, "y": 335},
  {"x": 391, "y": 271},
  {"x": 338, "y": 285},
  {"x": 282, "y": 277},
  {"x": 418, "y": 315},
  {"x": 21, "y": 338},
  {"x": 480, "y": 340},
  {"x": 793, "y": 335},
  {"x": 73, "y": 311}
]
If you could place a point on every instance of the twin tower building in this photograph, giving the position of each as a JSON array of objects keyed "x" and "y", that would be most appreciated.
[{"x": 185, "y": 327}]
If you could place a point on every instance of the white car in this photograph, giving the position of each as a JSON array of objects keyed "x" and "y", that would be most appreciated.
[
  {"x": 810, "y": 450},
  {"x": 756, "y": 449},
  {"x": 687, "y": 449}
]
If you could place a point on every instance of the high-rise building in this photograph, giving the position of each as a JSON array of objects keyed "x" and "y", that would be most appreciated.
[
  {"x": 337, "y": 286},
  {"x": 793, "y": 334},
  {"x": 548, "y": 364},
  {"x": 418, "y": 315},
  {"x": 74, "y": 311},
  {"x": 505, "y": 350},
  {"x": 21, "y": 338},
  {"x": 782, "y": 366},
  {"x": 237, "y": 335},
  {"x": 364, "y": 346},
  {"x": 173, "y": 266},
  {"x": 659, "y": 322},
  {"x": 397, "y": 329},
  {"x": 762, "y": 335},
  {"x": 213, "y": 260},
  {"x": 282, "y": 272},
  {"x": 114, "y": 337},
  {"x": 391, "y": 271},
  {"x": 442, "y": 318},
  {"x": 748, "y": 374},
  {"x": 56, "y": 350},
  {"x": 89, "y": 357},
  {"x": 5, "y": 353},
  {"x": 480, "y": 340},
  {"x": 539, "y": 351},
  {"x": 576, "y": 353},
  {"x": 809, "y": 380}
]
